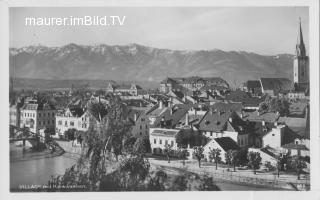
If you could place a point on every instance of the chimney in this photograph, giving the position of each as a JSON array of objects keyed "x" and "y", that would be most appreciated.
[
  {"x": 187, "y": 119},
  {"x": 263, "y": 123},
  {"x": 135, "y": 117},
  {"x": 160, "y": 104},
  {"x": 230, "y": 119}
]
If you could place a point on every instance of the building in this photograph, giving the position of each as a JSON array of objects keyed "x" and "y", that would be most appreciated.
[
  {"x": 37, "y": 115},
  {"x": 301, "y": 64},
  {"x": 298, "y": 147},
  {"x": 71, "y": 118},
  {"x": 224, "y": 144},
  {"x": 160, "y": 137},
  {"x": 254, "y": 87},
  {"x": 194, "y": 83},
  {"x": 14, "y": 113},
  {"x": 139, "y": 122},
  {"x": 123, "y": 89},
  {"x": 275, "y": 86},
  {"x": 221, "y": 123}
]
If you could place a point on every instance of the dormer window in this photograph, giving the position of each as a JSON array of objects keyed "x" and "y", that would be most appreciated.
[{"x": 207, "y": 122}]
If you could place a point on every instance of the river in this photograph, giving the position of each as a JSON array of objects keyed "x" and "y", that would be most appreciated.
[{"x": 35, "y": 168}]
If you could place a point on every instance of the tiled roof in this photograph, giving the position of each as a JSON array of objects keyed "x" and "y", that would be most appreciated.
[
  {"x": 214, "y": 121},
  {"x": 255, "y": 116},
  {"x": 295, "y": 146},
  {"x": 237, "y": 107},
  {"x": 253, "y": 84},
  {"x": 171, "y": 120},
  {"x": 276, "y": 84},
  {"x": 244, "y": 98},
  {"x": 76, "y": 111},
  {"x": 168, "y": 80},
  {"x": 227, "y": 143},
  {"x": 164, "y": 132}
]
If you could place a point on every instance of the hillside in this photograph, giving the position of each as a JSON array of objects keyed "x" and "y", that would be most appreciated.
[{"x": 140, "y": 63}]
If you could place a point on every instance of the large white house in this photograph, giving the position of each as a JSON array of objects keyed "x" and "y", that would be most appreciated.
[
  {"x": 37, "y": 115},
  {"x": 160, "y": 137},
  {"x": 72, "y": 118}
]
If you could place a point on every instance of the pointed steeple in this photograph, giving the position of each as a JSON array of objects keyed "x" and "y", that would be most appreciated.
[{"x": 300, "y": 47}]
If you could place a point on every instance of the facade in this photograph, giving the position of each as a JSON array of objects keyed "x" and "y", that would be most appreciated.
[
  {"x": 191, "y": 83},
  {"x": 217, "y": 124},
  {"x": 301, "y": 64},
  {"x": 160, "y": 137},
  {"x": 140, "y": 123},
  {"x": 71, "y": 118},
  {"x": 36, "y": 116}
]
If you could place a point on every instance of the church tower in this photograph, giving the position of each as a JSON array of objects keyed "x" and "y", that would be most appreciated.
[{"x": 301, "y": 64}]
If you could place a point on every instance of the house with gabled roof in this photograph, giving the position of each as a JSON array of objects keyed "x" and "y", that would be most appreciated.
[
  {"x": 224, "y": 144},
  {"x": 219, "y": 123}
]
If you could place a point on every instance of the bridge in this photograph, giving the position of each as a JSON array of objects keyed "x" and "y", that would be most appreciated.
[{"x": 24, "y": 134}]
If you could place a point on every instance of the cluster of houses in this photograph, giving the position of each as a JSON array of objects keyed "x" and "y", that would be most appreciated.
[{"x": 229, "y": 119}]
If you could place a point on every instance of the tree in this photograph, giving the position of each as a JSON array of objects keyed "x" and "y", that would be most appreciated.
[
  {"x": 128, "y": 144},
  {"x": 190, "y": 137},
  {"x": 263, "y": 106},
  {"x": 228, "y": 158},
  {"x": 168, "y": 151},
  {"x": 207, "y": 184},
  {"x": 139, "y": 147},
  {"x": 214, "y": 154},
  {"x": 179, "y": 183},
  {"x": 156, "y": 181},
  {"x": 70, "y": 134},
  {"x": 254, "y": 160},
  {"x": 182, "y": 154},
  {"x": 198, "y": 153},
  {"x": 297, "y": 163},
  {"x": 234, "y": 157}
]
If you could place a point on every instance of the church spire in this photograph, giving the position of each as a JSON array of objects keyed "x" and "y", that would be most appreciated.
[{"x": 300, "y": 47}]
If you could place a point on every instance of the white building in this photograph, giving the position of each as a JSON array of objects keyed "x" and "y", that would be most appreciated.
[
  {"x": 224, "y": 144},
  {"x": 36, "y": 116},
  {"x": 72, "y": 118},
  {"x": 160, "y": 137}
]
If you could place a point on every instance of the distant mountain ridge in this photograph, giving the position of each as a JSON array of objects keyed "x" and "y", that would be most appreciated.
[{"x": 135, "y": 62}]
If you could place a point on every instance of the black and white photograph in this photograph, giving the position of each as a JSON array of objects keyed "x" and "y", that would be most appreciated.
[{"x": 161, "y": 98}]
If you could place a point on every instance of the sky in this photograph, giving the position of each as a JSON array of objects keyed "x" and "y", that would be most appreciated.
[{"x": 262, "y": 30}]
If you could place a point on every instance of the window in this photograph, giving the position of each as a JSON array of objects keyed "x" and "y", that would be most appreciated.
[
  {"x": 39, "y": 114},
  {"x": 160, "y": 141},
  {"x": 52, "y": 114},
  {"x": 140, "y": 127},
  {"x": 48, "y": 121},
  {"x": 60, "y": 122},
  {"x": 140, "y": 133},
  {"x": 172, "y": 143},
  {"x": 66, "y": 123},
  {"x": 273, "y": 134},
  {"x": 71, "y": 123},
  {"x": 166, "y": 142},
  {"x": 154, "y": 141},
  {"x": 211, "y": 134},
  {"x": 52, "y": 121},
  {"x": 146, "y": 126}
]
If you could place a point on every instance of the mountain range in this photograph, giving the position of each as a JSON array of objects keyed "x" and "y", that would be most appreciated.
[{"x": 135, "y": 62}]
